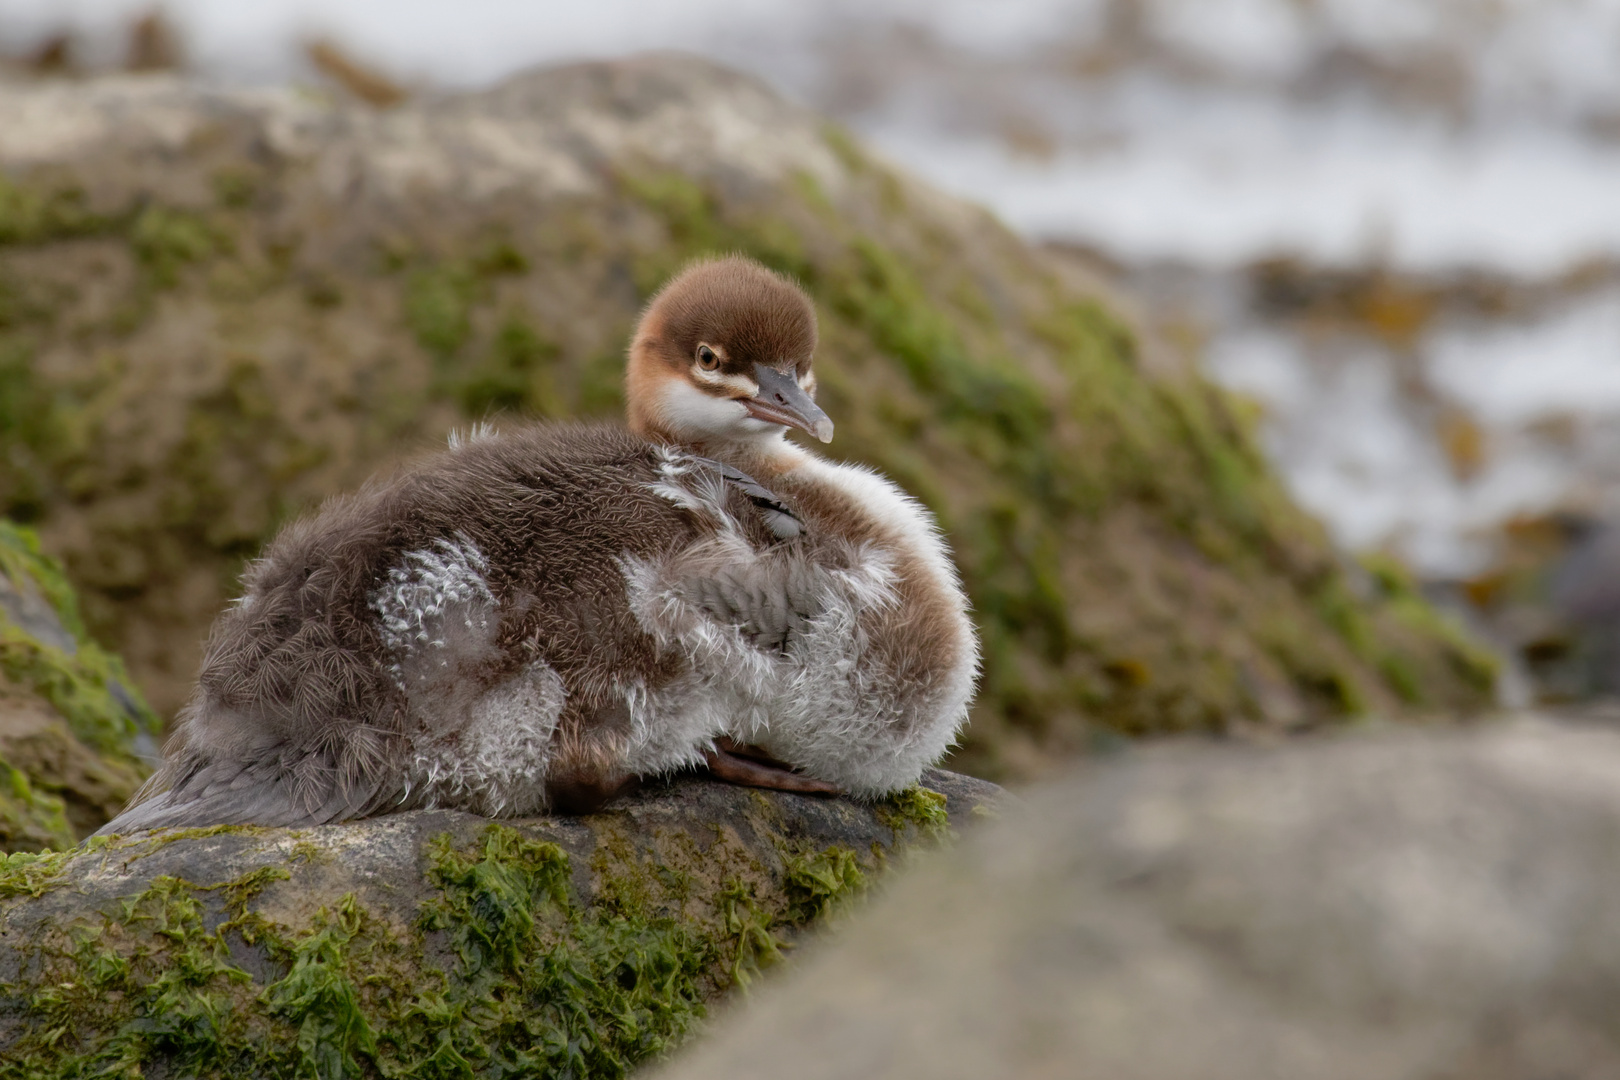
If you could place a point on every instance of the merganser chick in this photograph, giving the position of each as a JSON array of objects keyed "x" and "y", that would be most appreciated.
[
  {"x": 533, "y": 621},
  {"x": 875, "y": 681}
]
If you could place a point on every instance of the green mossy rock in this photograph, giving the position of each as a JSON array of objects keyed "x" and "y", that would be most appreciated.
[
  {"x": 69, "y": 724},
  {"x": 219, "y": 307},
  {"x": 432, "y": 943}
]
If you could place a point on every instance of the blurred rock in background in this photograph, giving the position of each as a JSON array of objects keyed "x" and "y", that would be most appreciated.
[
  {"x": 1586, "y": 593},
  {"x": 154, "y": 44},
  {"x": 1467, "y": 421},
  {"x": 1406, "y": 906}
]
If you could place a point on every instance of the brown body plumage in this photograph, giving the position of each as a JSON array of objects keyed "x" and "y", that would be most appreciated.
[{"x": 557, "y": 610}]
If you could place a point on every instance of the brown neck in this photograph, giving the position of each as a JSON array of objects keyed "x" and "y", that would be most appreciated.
[{"x": 763, "y": 460}]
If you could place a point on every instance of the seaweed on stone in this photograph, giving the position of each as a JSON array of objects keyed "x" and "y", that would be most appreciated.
[
  {"x": 318, "y": 997},
  {"x": 917, "y": 808},
  {"x": 557, "y": 990},
  {"x": 536, "y": 985},
  {"x": 31, "y": 873},
  {"x": 819, "y": 882},
  {"x": 754, "y": 943},
  {"x": 151, "y": 981}
]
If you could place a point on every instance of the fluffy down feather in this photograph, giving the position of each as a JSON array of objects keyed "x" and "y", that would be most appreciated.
[{"x": 561, "y": 601}]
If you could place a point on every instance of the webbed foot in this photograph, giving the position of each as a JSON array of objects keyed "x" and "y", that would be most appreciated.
[{"x": 750, "y": 766}]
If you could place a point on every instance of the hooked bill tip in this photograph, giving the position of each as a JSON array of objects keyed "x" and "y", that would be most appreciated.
[{"x": 823, "y": 430}]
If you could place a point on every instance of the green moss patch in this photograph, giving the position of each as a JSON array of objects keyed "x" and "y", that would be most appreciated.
[
  {"x": 818, "y": 882},
  {"x": 31, "y": 820},
  {"x": 563, "y": 990},
  {"x": 754, "y": 944},
  {"x": 60, "y": 776},
  {"x": 425, "y": 944},
  {"x": 503, "y": 975},
  {"x": 88, "y": 686},
  {"x": 916, "y": 808},
  {"x": 165, "y": 240},
  {"x": 30, "y": 214}
]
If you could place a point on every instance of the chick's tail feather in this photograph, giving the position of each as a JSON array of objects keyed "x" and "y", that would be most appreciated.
[{"x": 260, "y": 792}]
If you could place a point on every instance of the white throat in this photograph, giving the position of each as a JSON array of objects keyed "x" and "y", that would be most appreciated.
[{"x": 696, "y": 418}]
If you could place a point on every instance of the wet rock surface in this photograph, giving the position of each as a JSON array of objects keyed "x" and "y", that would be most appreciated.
[
  {"x": 379, "y": 945},
  {"x": 1390, "y": 905}
]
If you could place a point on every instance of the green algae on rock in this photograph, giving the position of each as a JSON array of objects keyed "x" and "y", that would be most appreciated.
[
  {"x": 30, "y": 819},
  {"x": 68, "y": 718},
  {"x": 197, "y": 345},
  {"x": 425, "y": 944}
]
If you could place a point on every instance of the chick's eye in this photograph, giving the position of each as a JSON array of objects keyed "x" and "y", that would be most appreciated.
[{"x": 706, "y": 358}]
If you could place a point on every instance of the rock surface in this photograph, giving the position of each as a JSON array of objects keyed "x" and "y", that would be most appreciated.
[
  {"x": 218, "y": 307},
  {"x": 70, "y": 726},
  {"x": 1423, "y": 907},
  {"x": 432, "y": 941}
]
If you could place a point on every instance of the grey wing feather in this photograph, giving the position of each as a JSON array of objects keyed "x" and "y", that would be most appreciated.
[
  {"x": 769, "y": 602},
  {"x": 246, "y": 793},
  {"x": 777, "y": 515}
]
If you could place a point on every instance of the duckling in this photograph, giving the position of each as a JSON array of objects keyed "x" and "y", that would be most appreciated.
[
  {"x": 534, "y": 621},
  {"x": 874, "y": 681}
]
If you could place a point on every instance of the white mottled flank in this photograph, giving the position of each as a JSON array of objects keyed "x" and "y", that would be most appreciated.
[
  {"x": 430, "y": 591},
  {"x": 899, "y": 514},
  {"x": 874, "y": 753},
  {"x": 672, "y": 726},
  {"x": 828, "y": 705},
  {"x": 495, "y": 763},
  {"x": 474, "y": 746}
]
